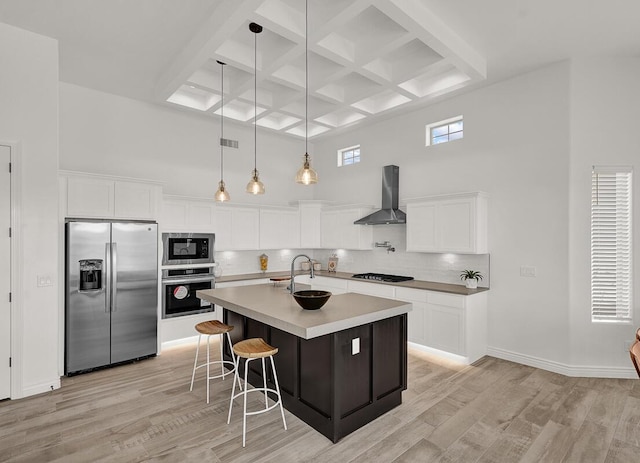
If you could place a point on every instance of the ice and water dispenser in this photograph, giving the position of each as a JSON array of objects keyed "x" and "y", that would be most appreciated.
[{"x": 91, "y": 275}]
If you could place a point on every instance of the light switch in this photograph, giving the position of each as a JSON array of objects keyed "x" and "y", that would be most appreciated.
[
  {"x": 355, "y": 346},
  {"x": 527, "y": 271}
]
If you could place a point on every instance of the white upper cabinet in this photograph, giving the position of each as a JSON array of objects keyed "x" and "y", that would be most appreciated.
[
  {"x": 94, "y": 196},
  {"x": 339, "y": 231},
  {"x": 237, "y": 228},
  {"x": 279, "y": 228},
  {"x": 310, "y": 225},
  {"x": 188, "y": 215},
  {"x": 449, "y": 223}
]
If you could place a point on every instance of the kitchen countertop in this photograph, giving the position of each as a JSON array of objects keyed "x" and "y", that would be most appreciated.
[
  {"x": 274, "y": 306},
  {"x": 415, "y": 284}
]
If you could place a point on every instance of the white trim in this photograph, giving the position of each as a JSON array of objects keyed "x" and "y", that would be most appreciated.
[
  {"x": 341, "y": 152},
  {"x": 39, "y": 388},
  {"x": 428, "y": 127},
  {"x": 17, "y": 332},
  {"x": 589, "y": 371}
]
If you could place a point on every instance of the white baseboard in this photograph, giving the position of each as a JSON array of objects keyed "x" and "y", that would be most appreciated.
[
  {"x": 590, "y": 371},
  {"x": 39, "y": 388}
]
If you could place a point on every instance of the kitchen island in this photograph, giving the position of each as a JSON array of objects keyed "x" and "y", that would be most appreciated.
[{"x": 339, "y": 367}]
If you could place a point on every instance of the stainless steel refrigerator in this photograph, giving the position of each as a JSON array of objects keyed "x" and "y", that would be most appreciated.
[{"x": 111, "y": 305}]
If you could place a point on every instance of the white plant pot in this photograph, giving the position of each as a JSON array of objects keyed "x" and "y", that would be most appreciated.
[{"x": 471, "y": 283}]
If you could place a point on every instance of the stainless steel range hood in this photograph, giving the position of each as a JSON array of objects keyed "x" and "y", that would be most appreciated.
[{"x": 389, "y": 214}]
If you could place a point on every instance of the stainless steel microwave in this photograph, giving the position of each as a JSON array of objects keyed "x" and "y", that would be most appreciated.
[{"x": 187, "y": 248}]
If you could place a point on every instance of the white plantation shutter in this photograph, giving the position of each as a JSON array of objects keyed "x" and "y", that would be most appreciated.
[{"x": 611, "y": 244}]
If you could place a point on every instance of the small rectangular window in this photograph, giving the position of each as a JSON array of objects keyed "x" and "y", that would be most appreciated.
[
  {"x": 611, "y": 237},
  {"x": 349, "y": 156},
  {"x": 444, "y": 131}
]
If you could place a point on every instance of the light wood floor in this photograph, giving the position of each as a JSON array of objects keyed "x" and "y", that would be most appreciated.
[{"x": 492, "y": 411}]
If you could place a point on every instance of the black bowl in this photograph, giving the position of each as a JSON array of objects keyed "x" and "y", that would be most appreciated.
[{"x": 311, "y": 299}]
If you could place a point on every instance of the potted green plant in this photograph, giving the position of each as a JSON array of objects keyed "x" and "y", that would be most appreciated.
[{"x": 471, "y": 278}]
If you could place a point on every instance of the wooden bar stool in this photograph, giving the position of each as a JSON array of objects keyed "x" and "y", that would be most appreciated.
[
  {"x": 208, "y": 329},
  {"x": 250, "y": 349}
]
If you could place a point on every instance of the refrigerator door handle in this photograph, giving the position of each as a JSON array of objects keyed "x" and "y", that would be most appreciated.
[
  {"x": 114, "y": 277},
  {"x": 107, "y": 277}
]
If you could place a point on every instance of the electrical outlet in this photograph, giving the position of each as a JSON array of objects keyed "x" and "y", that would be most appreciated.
[
  {"x": 355, "y": 346},
  {"x": 44, "y": 280}
]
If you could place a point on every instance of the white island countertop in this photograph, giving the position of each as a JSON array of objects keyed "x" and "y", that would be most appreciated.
[{"x": 275, "y": 306}]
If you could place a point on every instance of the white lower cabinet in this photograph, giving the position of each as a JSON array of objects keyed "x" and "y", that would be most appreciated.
[
  {"x": 371, "y": 289},
  {"x": 417, "y": 323},
  {"x": 452, "y": 324},
  {"x": 334, "y": 285}
]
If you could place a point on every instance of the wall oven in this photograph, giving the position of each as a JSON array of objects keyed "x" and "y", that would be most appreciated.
[
  {"x": 187, "y": 248},
  {"x": 179, "y": 288}
]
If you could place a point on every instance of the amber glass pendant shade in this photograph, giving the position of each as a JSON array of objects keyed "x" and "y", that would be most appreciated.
[
  {"x": 255, "y": 186},
  {"x": 306, "y": 175},
  {"x": 222, "y": 194}
]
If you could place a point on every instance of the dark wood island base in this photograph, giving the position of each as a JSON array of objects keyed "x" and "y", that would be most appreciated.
[{"x": 338, "y": 382}]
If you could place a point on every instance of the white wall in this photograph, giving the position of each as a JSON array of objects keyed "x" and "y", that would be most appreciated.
[
  {"x": 29, "y": 117},
  {"x": 528, "y": 143},
  {"x": 108, "y": 134},
  {"x": 605, "y": 98},
  {"x": 516, "y": 148}
]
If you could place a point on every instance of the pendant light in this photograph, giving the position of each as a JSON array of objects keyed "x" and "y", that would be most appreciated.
[
  {"x": 306, "y": 175},
  {"x": 255, "y": 186},
  {"x": 222, "y": 194}
]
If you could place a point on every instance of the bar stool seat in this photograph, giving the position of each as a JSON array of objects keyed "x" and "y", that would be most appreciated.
[
  {"x": 208, "y": 329},
  {"x": 251, "y": 349}
]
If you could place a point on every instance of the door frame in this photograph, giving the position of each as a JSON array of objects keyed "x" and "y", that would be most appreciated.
[{"x": 15, "y": 269}]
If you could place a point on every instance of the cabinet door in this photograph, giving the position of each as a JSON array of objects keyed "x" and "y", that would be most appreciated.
[
  {"x": 456, "y": 225},
  {"x": 421, "y": 227},
  {"x": 310, "y": 226},
  {"x": 329, "y": 230},
  {"x": 371, "y": 289},
  {"x": 334, "y": 285},
  {"x": 279, "y": 229},
  {"x": 90, "y": 197},
  {"x": 201, "y": 216},
  {"x": 245, "y": 229},
  {"x": 223, "y": 229},
  {"x": 135, "y": 200},
  {"x": 446, "y": 328},
  {"x": 175, "y": 215}
]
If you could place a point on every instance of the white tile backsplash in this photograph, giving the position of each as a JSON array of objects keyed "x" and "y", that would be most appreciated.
[{"x": 442, "y": 268}]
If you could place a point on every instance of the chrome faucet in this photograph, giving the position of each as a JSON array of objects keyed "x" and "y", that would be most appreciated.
[{"x": 292, "y": 286}]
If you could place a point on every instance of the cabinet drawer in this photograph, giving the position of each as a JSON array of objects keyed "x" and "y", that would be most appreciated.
[
  {"x": 371, "y": 289},
  {"x": 410, "y": 294},
  {"x": 449, "y": 300}
]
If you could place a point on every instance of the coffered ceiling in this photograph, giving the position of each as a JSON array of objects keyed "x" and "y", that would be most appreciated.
[{"x": 367, "y": 59}]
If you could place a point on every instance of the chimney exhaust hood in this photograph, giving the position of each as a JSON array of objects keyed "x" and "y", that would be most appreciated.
[{"x": 389, "y": 213}]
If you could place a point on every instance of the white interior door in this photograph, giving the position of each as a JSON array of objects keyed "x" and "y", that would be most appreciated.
[{"x": 5, "y": 273}]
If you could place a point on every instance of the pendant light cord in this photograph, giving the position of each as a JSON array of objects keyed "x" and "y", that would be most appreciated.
[
  {"x": 306, "y": 82},
  {"x": 255, "y": 102},
  {"x": 221, "y": 121}
]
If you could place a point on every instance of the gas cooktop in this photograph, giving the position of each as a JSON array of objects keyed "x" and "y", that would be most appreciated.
[{"x": 382, "y": 277}]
